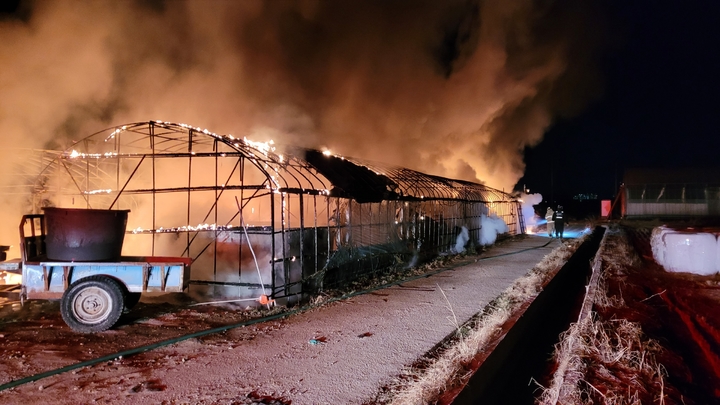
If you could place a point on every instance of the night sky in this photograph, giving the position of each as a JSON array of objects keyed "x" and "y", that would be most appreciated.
[{"x": 659, "y": 106}]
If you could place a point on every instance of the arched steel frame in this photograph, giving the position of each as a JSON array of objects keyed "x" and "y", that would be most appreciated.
[{"x": 254, "y": 216}]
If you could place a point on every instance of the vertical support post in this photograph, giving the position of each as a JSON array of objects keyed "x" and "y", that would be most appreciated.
[
  {"x": 390, "y": 219},
  {"x": 190, "y": 159},
  {"x": 372, "y": 224},
  {"x": 215, "y": 207},
  {"x": 315, "y": 230},
  {"x": 66, "y": 276},
  {"x": 459, "y": 218},
  {"x": 329, "y": 239},
  {"x": 154, "y": 212},
  {"x": 273, "y": 248},
  {"x": 117, "y": 167},
  {"x": 302, "y": 239},
  {"x": 87, "y": 178},
  {"x": 46, "y": 278},
  {"x": 285, "y": 235},
  {"x": 240, "y": 207},
  {"x": 163, "y": 280},
  {"x": 362, "y": 224},
  {"x": 146, "y": 276},
  {"x": 349, "y": 222}
]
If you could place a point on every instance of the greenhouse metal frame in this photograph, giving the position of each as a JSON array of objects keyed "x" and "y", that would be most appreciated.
[{"x": 260, "y": 219}]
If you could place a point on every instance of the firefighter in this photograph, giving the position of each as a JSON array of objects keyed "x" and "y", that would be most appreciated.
[
  {"x": 559, "y": 222},
  {"x": 550, "y": 222}
]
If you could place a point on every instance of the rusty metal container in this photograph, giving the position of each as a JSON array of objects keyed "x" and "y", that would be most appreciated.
[{"x": 84, "y": 234}]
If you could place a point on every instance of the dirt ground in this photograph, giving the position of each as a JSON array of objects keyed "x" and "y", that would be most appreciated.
[
  {"x": 677, "y": 310},
  {"x": 342, "y": 352}
]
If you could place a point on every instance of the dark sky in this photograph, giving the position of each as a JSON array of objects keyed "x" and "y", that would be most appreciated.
[
  {"x": 659, "y": 108},
  {"x": 659, "y": 65}
]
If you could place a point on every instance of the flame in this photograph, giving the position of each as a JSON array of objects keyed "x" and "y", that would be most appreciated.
[
  {"x": 75, "y": 154},
  {"x": 115, "y": 132},
  {"x": 7, "y": 278},
  {"x": 186, "y": 228},
  {"x": 101, "y": 191},
  {"x": 264, "y": 147}
]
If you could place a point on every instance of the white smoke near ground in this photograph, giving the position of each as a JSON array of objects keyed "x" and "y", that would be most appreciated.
[
  {"x": 532, "y": 220},
  {"x": 453, "y": 88},
  {"x": 462, "y": 239},
  {"x": 492, "y": 226}
]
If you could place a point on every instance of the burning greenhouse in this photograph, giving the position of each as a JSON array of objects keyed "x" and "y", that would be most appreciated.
[{"x": 260, "y": 219}]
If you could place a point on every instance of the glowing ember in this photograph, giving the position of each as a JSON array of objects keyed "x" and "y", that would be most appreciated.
[
  {"x": 186, "y": 228},
  {"x": 75, "y": 154},
  {"x": 91, "y": 192}
]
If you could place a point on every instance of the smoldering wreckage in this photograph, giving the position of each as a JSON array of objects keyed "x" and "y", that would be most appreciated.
[{"x": 159, "y": 206}]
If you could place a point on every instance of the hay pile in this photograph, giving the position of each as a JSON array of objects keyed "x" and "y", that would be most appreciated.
[{"x": 607, "y": 361}]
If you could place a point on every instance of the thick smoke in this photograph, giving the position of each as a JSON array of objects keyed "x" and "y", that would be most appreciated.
[{"x": 453, "y": 88}]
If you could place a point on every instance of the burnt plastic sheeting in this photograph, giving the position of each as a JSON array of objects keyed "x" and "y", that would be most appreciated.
[
  {"x": 506, "y": 376},
  {"x": 359, "y": 182}
]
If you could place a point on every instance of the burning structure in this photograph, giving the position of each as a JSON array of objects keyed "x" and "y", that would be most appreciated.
[{"x": 258, "y": 220}]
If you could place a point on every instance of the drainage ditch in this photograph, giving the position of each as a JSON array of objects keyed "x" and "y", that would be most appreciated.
[{"x": 522, "y": 360}]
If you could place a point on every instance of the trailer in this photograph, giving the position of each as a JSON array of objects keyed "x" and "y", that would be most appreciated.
[{"x": 92, "y": 294}]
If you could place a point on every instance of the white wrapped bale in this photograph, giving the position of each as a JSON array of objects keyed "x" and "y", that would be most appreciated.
[
  {"x": 696, "y": 253},
  {"x": 657, "y": 244},
  {"x": 717, "y": 255}
]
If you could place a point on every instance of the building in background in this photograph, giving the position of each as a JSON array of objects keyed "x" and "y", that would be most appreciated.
[{"x": 679, "y": 193}]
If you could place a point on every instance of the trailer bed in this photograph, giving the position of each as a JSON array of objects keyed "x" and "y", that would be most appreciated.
[{"x": 50, "y": 279}]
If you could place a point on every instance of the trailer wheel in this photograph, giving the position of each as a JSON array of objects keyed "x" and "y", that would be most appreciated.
[{"x": 92, "y": 304}]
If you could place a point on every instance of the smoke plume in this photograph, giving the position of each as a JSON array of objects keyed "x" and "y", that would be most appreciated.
[{"x": 453, "y": 88}]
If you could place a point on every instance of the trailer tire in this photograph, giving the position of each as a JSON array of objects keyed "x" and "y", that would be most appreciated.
[{"x": 92, "y": 304}]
